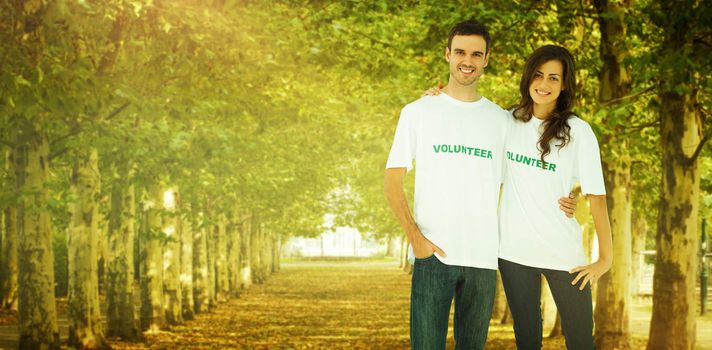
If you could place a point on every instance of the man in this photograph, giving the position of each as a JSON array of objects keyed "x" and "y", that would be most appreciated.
[{"x": 456, "y": 139}]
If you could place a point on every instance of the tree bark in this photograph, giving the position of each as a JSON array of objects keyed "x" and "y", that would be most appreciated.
[
  {"x": 256, "y": 255},
  {"x": 672, "y": 326},
  {"x": 121, "y": 320},
  {"x": 212, "y": 265},
  {"x": 612, "y": 313},
  {"x": 152, "y": 314},
  {"x": 201, "y": 298},
  {"x": 613, "y": 294},
  {"x": 221, "y": 263},
  {"x": 233, "y": 242},
  {"x": 185, "y": 229},
  {"x": 171, "y": 259},
  {"x": 8, "y": 268},
  {"x": 37, "y": 310},
  {"x": 276, "y": 252},
  {"x": 673, "y": 323},
  {"x": 245, "y": 252},
  {"x": 102, "y": 248},
  {"x": 86, "y": 330},
  {"x": 266, "y": 251}
]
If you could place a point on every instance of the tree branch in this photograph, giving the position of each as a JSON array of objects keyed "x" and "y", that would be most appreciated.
[
  {"x": 117, "y": 111},
  {"x": 708, "y": 133},
  {"x": 58, "y": 153},
  {"x": 76, "y": 129},
  {"x": 691, "y": 159},
  {"x": 628, "y": 97},
  {"x": 385, "y": 44},
  {"x": 634, "y": 128},
  {"x": 74, "y": 132},
  {"x": 109, "y": 58}
]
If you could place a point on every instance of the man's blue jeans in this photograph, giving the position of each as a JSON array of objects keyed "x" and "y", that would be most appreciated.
[
  {"x": 433, "y": 288},
  {"x": 522, "y": 284}
]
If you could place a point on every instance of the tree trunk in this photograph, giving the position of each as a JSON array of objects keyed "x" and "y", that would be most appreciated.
[
  {"x": 185, "y": 229},
  {"x": 233, "y": 242},
  {"x": 673, "y": 323},
  {"x": 266, "y": 251},
  {"x": 121, "y": 320},
  {"x": 152, "y": 314},
  {"x": 201, "y": 298},
  {"x": 612, "y": 313},
  {"x": 221, "y": 261},
  {"x": 86, "y": 330},
  {"x": 8, "y": 268},
  {"x": 276, "y": 253},
  {"x": 212, "y": 268},
  {"x": 245, "y": 252},
  {"x": 171, "y": 259},
  {"x": 102, "y": 242},
  {"x": 37, "y": 310},
  {"x": 255, "y": 246},
  {"x": 613, "y": 296}
]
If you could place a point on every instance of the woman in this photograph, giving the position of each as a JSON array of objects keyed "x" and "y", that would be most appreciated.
[{"x": 548, "y": 150}]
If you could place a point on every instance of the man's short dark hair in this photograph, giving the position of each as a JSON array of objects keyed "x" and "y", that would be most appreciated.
[{"x": 469, "y": 27}]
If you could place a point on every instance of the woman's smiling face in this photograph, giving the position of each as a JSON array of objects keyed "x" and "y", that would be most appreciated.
[{"x": 547, "y": 84}]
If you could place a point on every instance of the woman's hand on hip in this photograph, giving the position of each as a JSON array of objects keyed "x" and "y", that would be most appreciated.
[{"x": 590, "y": 273}]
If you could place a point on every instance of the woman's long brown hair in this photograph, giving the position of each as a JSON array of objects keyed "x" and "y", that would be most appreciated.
[{"x": 556, "y": 126}]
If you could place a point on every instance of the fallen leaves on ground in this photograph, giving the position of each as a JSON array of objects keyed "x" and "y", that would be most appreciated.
[{"x": 315, "y": 305}]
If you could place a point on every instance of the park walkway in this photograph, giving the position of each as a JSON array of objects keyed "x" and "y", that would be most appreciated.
[
  {"x": 328, "y": 305},
  {"x": 331, "y": 305}
]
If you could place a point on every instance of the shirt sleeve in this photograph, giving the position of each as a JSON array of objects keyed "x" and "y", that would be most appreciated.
[
  {"x": 590, "y": 172},
  {"x": 404, "y": 142}
]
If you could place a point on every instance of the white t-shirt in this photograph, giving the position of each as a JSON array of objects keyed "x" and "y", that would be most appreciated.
[
  {"x": 457, "y": 147},
  {"x": 533, "y": 230}
]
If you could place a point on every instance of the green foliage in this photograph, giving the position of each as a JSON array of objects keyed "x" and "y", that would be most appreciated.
[{"x": 287, "y": 109}]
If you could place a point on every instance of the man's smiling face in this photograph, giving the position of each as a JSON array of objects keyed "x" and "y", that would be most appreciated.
[{"x": 467, "y": 57}]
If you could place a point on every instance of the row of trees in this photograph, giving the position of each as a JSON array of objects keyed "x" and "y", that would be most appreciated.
[
  {"x": 158, "y": 143},
  {"x": 262, "y": 117}
]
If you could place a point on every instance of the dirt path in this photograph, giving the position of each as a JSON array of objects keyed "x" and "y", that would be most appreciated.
[
  {"x": 355, "y": 305},
  {"x": 327, "y": 305}
]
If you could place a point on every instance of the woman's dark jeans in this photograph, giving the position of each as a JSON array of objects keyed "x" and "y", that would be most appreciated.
[
  {"x": 522, "y": 284},
  {"x": 433, "y": 288}
]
